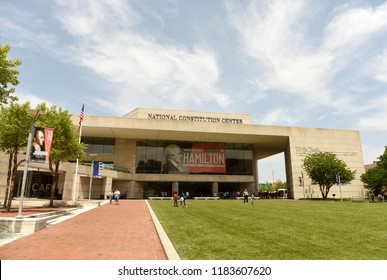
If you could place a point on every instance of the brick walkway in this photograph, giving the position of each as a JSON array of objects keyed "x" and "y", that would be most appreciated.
[{"x": 108, "y": 232}]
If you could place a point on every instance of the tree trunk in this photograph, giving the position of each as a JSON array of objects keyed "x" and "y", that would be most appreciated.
[
  {"x": 9, "y": 175},
  {"x": 13, "y": 181},
  {"x": 54, "y": 175},
  {"x": 324, "y": 191}
]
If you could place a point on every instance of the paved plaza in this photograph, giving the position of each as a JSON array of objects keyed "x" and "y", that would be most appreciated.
[{"x": 108, "y": 232}]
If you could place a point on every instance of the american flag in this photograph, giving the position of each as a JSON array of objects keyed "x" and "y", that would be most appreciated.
[{"x": 81, "y": 115}]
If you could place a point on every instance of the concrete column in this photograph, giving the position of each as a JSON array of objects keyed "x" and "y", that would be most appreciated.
[
  {"x": 249, "y": 186},
  {"x": 175, "y": 187},
  {"x": 67, "y": 193},
  {"x": 133, "y": 189},
  {"x": 215, "y": 188},
  {"x": 107, "y": 185}
]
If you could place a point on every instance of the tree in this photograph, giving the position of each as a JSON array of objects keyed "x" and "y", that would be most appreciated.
[
  {"x": 14, "y": 129},
  {"x": 65, "y": 142},
  {"x": 8, "y": 75},
  {"x": 323, "y": 168},
  {"x": 375, "y": 179},
  {"x": 278, "y": 185}
]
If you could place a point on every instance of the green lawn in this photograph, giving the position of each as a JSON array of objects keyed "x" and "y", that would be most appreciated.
[{"x": 275, "y": 229}]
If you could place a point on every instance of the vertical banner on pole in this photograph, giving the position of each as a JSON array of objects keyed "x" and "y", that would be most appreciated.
[
  {"x": 41, "y": 145},
  {"x": 49, "y": 134},
  {"x": 97, "y": 169}
]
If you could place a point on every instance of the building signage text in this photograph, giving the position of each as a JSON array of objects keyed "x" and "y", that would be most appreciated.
[{"x": 185, "y": 118}]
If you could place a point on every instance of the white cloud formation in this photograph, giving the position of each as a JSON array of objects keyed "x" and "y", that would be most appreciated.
[
  {"x": 379, "y": 67},
  {"x": 375, "y": 121},
  {"x": 109, "y": 42},
  {"x": 351, "y": 28},
  {"x": 275, "y": 34},
  {"x": 371, "y": 153},
  {"x": 33, "y": 99},
  {"x": 278, "y": 115}
]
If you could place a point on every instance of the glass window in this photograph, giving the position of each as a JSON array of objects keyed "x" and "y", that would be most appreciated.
[
  {"x": 150, "y": 157},
  {"x": 99, "y": 145}
]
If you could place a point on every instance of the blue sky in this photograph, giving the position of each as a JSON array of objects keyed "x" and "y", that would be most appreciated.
[{"x": 290, "y": 63}]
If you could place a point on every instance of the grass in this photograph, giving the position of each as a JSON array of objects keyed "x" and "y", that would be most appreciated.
[{"x": 275, "y": 230}]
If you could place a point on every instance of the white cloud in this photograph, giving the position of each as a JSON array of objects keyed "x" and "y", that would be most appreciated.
[
  {"x": 278, "y": 115},
  {"x": 274, "y": 35},
  {"x": 289, "y": 60},
  {"x": 351, "y": 27},
  {"x": 27, "y": 31},
  {"x": 137, "y": 66},
  {"x": 33, "y": 99},
  {"x": 371, "y": 153},
  {"x": 377, "y": 120},
  {"x": 379, "y": 67}
]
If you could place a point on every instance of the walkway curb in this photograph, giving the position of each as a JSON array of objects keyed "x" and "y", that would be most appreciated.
[{"x": 169, "y": 249}]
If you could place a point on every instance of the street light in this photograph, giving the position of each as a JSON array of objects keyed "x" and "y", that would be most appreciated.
[
  {"x": 91, "y": 173},
  {"x": 37, "y": 113},
  {"x": 339, "y": 183}
]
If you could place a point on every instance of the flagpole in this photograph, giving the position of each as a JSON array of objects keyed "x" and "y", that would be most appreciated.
[{"x": 75, "y": 189}]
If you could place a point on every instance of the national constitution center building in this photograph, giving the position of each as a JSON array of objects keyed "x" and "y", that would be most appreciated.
[{"x": 155, "y": 152}]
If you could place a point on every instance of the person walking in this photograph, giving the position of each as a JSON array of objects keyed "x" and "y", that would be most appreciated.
[
  {"x": 117, "y": 197},
  {"x": 175, "y": 200},
  {"x": 252, "y": 198},
  {"x": 182, "y": 200},
  {"x": 245, "y": 196},
  {"x": 110, "y": 195}
]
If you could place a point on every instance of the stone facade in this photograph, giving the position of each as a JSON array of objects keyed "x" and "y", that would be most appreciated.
[{"x": 198, "y": 127}]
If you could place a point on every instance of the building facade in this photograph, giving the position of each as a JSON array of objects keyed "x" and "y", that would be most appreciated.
[{"x": 155, "y": 152}]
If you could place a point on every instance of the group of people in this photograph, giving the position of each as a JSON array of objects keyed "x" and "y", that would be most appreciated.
[
  {"x": 114, "y": 195},
  {"x": 182, "y": 198}
]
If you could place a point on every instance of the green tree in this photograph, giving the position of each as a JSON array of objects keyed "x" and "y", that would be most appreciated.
[
  {"x": 323, "y": 168},
  {"x": 14, "y": 129},
  {"x": 8, "y": 75},
  {"x": 65, "y": 143},
  {"x": 279, "y": 185},
  {"x": 375, "y": 179}
]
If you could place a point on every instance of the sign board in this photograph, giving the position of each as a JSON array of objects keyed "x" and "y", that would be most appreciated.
[
  {"x": 97, "y": 169},
  {"x": 41, "y": 146}
]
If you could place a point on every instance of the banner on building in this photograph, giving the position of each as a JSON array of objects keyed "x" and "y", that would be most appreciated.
[
  {"x": 199, "y": 158},
  {"x": 205, "y": 157},
  {"x": 41, "y": 146}
]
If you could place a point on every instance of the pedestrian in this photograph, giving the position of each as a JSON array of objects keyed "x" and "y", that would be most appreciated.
[
  {"x": 110, "y": 195},
  {"x": 175, "y": 200},
  {"x": 117, "y": 196},
  {"x": 182, "y": 200},
  {"x": 245, "y": 196},
  {"x": 252, "y": 198}
]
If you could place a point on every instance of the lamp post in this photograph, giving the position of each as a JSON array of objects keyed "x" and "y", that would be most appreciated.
[
  {"x": 91, "y": 173},
  {"x": 339, "y": 183},
  {"x": 302, "y": 182},
  {"x": 32, "y": 125}
]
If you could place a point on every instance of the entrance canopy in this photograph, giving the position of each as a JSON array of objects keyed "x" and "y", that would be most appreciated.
[{"x": 216, "y": 128}]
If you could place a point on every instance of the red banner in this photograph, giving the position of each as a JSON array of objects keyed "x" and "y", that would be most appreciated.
[
  {"x": 204, "y": 157},
  {"x": 49, "y": 134}
]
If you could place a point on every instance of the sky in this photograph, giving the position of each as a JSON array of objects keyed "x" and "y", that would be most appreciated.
[{"x": 306, "y": 63}]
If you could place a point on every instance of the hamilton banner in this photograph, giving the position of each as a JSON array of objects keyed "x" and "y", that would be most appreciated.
[{"x": 199, "y": 158}]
